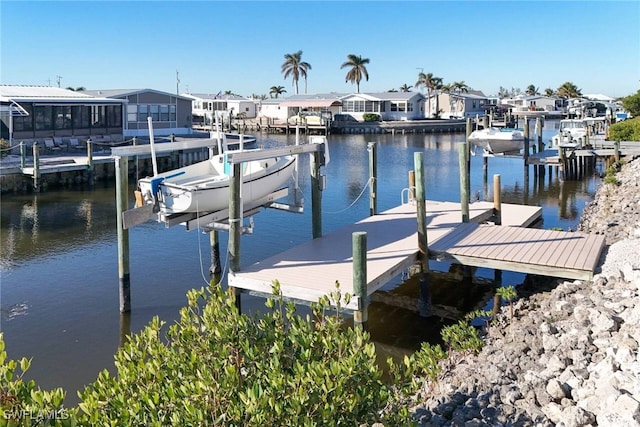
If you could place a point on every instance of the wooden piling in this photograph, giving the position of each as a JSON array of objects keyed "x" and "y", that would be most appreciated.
[
  {"x": 316, "y": 196},
  {"x": 359, "y": 247},
  {"x": 214, "y": 244},
  {"x": 90, "y": 161},
  {"x": 122, "y": 204},
  {"x": 373, "y": 177},
  {"x": 464, "y": 182},
  {"x": 235, "y": 225},
  {"x": 424, "y": 300},
  {"x": 36, "y": 168},
  {"x": 497, "y": 200},
  {"x": 23, "y": 155},
  {"x": 526, "y": 143},
  {"x": 412, "y": 186},
  {"x": 616, "y": 151}
]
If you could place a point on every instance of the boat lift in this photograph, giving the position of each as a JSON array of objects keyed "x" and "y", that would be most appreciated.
[{"x": 227, "y": 219}]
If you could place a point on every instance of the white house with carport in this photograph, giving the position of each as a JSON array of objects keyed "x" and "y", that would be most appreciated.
[
  {"x": 324, "y": 104},
  {"x": 206, "y": 106},
  {"x": 389, "y": 105},
  {"x": 524, "y": 103}
]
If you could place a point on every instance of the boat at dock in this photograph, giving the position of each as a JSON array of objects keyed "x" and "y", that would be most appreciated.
[
  {"x": 573, "y": 132},
  {"x": 498, "y": 140},
  {"x": 204, "y": 186}
]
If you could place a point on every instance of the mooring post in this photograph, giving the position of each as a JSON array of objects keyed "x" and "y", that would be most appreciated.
[
  {"x": 235, "y": 226},
  {"x": 214, "y": 243},
  {"x": 90, "y": 161},
  {"x": 412, "y": 186},
  {"x": 372, "y": 147},
  {"x": 468, "y": 149},
  {"x": 36, "y": 168},
  {"x": 526, "y": 143},
  {"x": 125, "y": 328},
  {"x": 497, "y": 200},
  {"x": 464, "y": 182},
  {"x": 122, "y": 204},
  {"x": 359, "y": 248},
  {"x": 616, "y": 151},
  {"x": 316, "y": 196},
  {"x": 424, "y": 301},
  {"x": 23, "y": 154}
]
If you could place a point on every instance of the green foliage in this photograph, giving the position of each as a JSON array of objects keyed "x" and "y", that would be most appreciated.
[
  {"x": 508, "y": 294},
  {"x": 21, "y": 403},
  {"x": 371, "y": 117},
  {"x": 631, "y": 103},
  {"x": 627, "y": 130},
  {"x": 219, "y": 367}
]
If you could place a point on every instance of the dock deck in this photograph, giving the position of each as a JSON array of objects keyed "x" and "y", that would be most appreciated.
[{"x": 310, "y": 270}]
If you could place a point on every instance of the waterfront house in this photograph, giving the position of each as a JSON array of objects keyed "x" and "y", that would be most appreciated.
[
  {"x": 548, "y": 106},
  {"x": 37, "y": 112},
  {"x": 326, "y": 105},
  {"x": 389, "y": 105},
  {"x": 459, "y": 105},
  {"x": 171, "y": 113},
  {"x": 206, "y": 106}
]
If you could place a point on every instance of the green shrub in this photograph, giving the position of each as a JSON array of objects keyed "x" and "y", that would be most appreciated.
[
  {"x": 627, "y": 130},
  {"x": 371, "y": 117}
]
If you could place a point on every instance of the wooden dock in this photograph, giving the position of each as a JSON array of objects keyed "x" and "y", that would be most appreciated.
[{"x": 309, "y": 271}]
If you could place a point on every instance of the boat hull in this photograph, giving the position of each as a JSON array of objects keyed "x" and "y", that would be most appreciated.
[
  {"x": 498, "y": 141},
  {"x": 204, "y": 186}
]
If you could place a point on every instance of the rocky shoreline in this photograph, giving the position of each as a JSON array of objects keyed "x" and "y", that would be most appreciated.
[{"x": 570, "y": 354}]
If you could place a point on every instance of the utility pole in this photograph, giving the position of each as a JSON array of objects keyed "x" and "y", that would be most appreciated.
[
  {"x": 58, "y": 78},
  {"x": 177, "y": 83}
]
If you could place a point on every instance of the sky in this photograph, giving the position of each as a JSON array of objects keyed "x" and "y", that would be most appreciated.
[{"x": 239, "y": 46}]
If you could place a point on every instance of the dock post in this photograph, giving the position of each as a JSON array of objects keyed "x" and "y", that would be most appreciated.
[
  {"x": 497, "y": 200},
  {"x": 372, "y": 148},
  {"x": 464, "y": 182},
  {"x": 235, "y": 226},
  {"x": 316, "y": 196},
  {"x": 122, "y": 204},
  {"x": 412, "y": 186},
  {"x": 539, "y": 126},
  {"x": 616, "y": 151},
  {"x": 90, "y": 161},
  {"x": 359, "y": 248},
  {"x": 214, "y": 243},
  {"x": 23, "y": 155},
  {"x": 36, "y": 168},
  {"x": 424, "y": 301},
  {"x": 526, "y": 142}
]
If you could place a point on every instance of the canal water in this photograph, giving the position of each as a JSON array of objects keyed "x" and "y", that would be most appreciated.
[{"x": 59, "y": 269}]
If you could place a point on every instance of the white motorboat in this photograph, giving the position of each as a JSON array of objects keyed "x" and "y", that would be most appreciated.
[
  {"x": 204, "y": 186},
  {"x": 498, "y": 140},
  {"x": 573, "y": 132}
]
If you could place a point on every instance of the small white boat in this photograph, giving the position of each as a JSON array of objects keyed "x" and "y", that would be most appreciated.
[
  {"x": 573, "y": 132},
  {"x": 498, "y": 140},
  {"x": 204, "y": 187}
]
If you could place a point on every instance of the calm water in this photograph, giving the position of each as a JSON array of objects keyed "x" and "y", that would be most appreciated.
[{"x": 59, "y": 271}]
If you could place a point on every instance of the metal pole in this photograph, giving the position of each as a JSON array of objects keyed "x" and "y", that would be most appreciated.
[{"x": 464, "y": 182}]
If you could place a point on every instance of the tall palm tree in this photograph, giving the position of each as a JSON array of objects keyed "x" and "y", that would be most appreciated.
[
  {"x": 275, "y": 91},
  {"x": 432, "y": 83},
  {"x": 532, "y": 90},
  {"x": 460, "y": 87},
  {"x": 358, "y": 69},
  {"x": 405, "y": 88},
  {"x": 78, "y": 89},
  {"x": 549, "y": 92},
  {"x": 569, "y": 90},
  {"x": 295, "y": 67}
]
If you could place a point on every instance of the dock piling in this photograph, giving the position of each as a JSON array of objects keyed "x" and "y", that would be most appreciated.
[
  {"x": 424, "y": 297},
  {"x": 316, "y": 195},
  {"x": 372, "y": 148},
  {"x": 36, "y": 168},
  {"x": 497, "y": 200},
  {"x": 359, "y": 246},
  {"x": 122, "y": 203},
  {"x": 235, "y": 226},
  {"x": 464, "y": 182}
]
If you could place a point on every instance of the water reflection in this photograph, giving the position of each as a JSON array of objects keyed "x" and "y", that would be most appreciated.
[{"x": 58, "y": 258}]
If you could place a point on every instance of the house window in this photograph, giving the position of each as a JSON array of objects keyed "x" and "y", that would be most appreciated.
[
  {"x": 164, "y": 113},
  {"x": 80, "y": 115},
  {"x": 143, "y": 112},
  {"x": 63, "y": 117},
  {"x": 409, "y": 106},
  {"x": 98, "y": 114},
  {"x": 43, "y": 117},
  {"x": 172, "y": 112},
  {"x": 24, "y": 123},
  {"x": 132, "y": 113},
  {"x": 114, "y": 116},
  {"x": 154, "y": 112}
]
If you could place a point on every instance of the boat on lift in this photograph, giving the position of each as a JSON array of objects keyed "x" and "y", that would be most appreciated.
[{"x": 498, "y": 140}]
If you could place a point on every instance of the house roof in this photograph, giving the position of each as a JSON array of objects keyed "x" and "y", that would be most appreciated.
[
  {"x": 386, "y": 96},
  {"x": 319, "y": 100},
  {"x": 215, "y": 97},
  {"x": 117, "y": 93},
  {"x": 50, "y": 95}
]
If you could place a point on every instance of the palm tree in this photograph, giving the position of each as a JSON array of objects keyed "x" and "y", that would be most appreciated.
[
  {"x": 358, "y": 69},
  {"x": 549, "y": 92},
  {"x": 295, "y": 67},
  {"x": 569, "y": 90},
  {"x": 460, "y": 87},
  {"x": 275, "y": 91},
  {"x": 532, "y": 90},
  {"x": 78, "y": 89},
  {"x": 393, "y": 89},
  {"x": 432, "y": 83},
  {"x": 405, "y": 88}
]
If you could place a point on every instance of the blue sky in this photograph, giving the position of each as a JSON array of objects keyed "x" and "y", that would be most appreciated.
[{"x": 240, "y": 45}]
